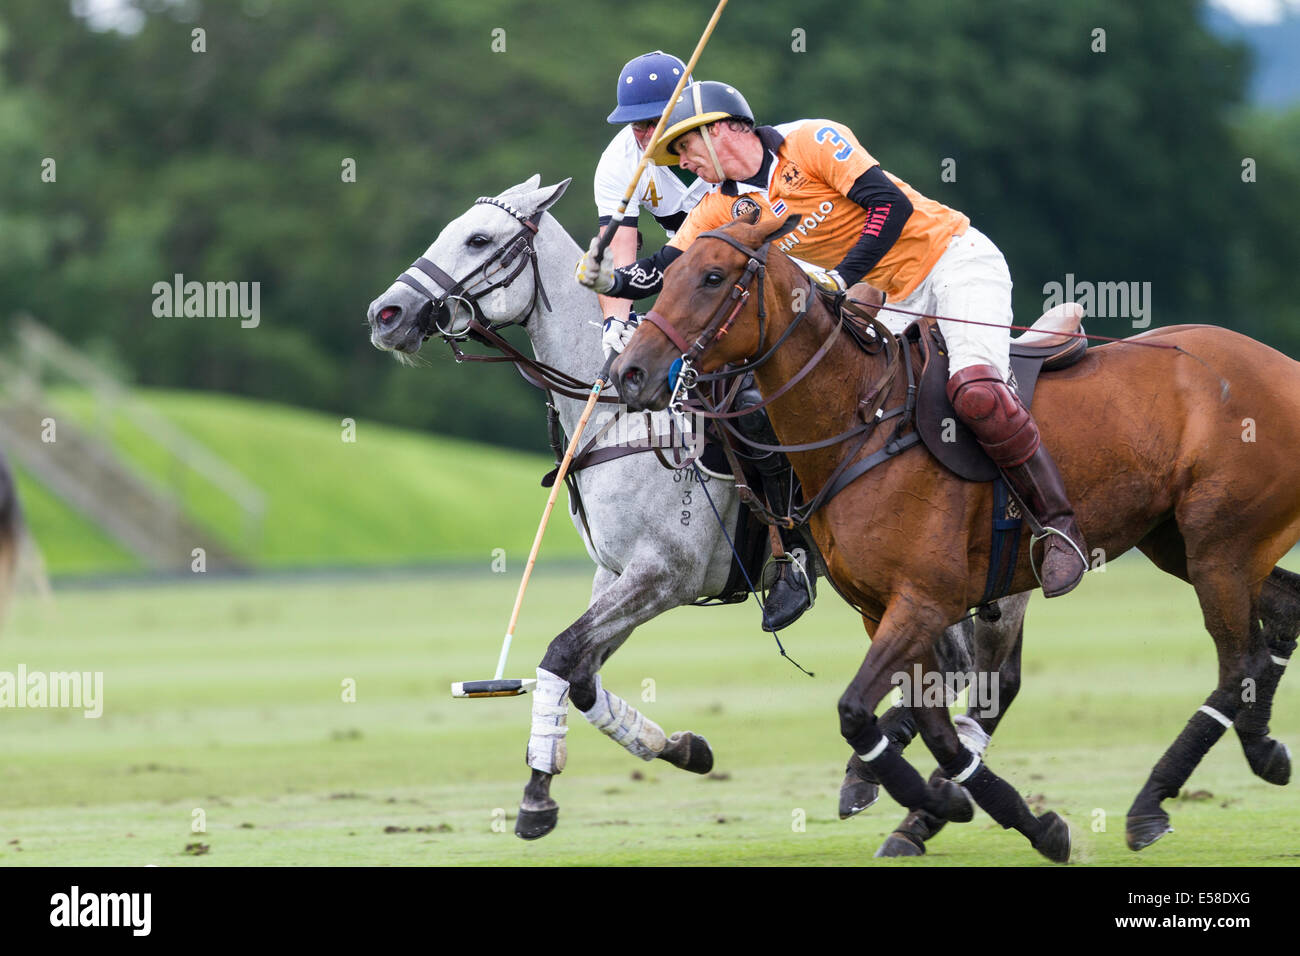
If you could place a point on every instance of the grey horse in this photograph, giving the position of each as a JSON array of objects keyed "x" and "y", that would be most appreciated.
[{"x": 489, "y": 264}]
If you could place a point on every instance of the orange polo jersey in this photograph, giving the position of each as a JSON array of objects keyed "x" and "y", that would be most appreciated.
[{"x": 816, "y": 165}]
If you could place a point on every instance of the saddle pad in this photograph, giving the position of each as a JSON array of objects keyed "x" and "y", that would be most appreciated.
[{"x": 942, "y": 432}]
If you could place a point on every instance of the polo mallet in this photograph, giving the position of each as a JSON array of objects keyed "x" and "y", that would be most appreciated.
[
  {"x": 608, "y": 235},
  {"x": 513, "y": 687}
]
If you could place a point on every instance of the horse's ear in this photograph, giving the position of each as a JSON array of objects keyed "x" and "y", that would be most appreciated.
[
  {"x": 537, "y": 200},
  {"x": 790, "y": 222},
  {"x": 527, "y": 186}
]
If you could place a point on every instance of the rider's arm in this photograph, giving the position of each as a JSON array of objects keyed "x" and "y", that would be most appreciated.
[
  {"x": 609, "y": 185},
  {"x": 887, "y": 211},
  {"x": 622, "y": 249},
  {"x": 645, "y": 277}
]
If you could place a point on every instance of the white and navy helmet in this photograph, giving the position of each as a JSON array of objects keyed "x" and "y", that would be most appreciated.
[
  {"x": 645, "y": 86},
  {"x": 699, "y": 105}
]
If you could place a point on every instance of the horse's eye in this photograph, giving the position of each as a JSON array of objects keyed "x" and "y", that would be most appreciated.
[
  {"x": 478, "y": 241},
  {"x": 713, "y": 279}
]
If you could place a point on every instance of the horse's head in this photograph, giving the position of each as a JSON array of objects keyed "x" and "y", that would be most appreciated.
[
  {"x": 478, "y": 267},
  {"x": 711, "y": 301}
]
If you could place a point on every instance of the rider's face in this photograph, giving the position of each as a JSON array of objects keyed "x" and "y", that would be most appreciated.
[
  {"x": 642, "y": 131},
  {"x": 694, "y": 157}
]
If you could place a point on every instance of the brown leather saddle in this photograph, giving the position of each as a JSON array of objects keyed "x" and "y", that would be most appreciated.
[{"x": 1047, "y": 347}]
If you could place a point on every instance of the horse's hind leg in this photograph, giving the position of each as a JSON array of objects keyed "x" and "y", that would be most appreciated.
[
  {"x": 1231, "y": 616},
  {"x": 1279, "y": 610},
  {"x": 995, "y": 649}
]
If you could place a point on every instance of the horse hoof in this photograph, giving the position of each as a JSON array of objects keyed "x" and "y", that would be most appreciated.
[
  {"x": 958, "y": 807},
  {"x": 859, "y": 790},
  {"x": 1275, "y": 766},
  {"x": 1054, "y": 842},
  {"x": 900, "y": 844},
  {"x": 689, "y": 751},
  {"x": 1141, "y": 831},
  {"x": 535, "y": 824}
]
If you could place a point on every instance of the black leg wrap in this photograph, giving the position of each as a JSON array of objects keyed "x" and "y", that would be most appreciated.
[
  {"x": 999, "y": 799},
  {"x": 896, "y": 775},
  {"x": 1201, "y": 733},
  {"x": 1253, "y": 719},
  {"x": 899, "y": 725}
]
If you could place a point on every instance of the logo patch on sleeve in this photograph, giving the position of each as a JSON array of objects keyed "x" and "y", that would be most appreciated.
[{"x": 744, "y": 206}]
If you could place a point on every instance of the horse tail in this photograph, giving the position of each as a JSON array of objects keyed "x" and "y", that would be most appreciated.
[{"x": 17, "y": 549}]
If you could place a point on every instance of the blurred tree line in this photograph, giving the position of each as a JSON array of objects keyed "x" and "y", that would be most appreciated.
[{"x": 1113, "y": 156}]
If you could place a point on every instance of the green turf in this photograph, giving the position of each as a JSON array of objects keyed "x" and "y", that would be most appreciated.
[
  {"x": 390, "y": 497},
  {"x": 227, "y": 698}
]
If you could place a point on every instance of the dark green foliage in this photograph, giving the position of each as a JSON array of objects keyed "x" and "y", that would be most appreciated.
[{"x": 225, "y": 165}]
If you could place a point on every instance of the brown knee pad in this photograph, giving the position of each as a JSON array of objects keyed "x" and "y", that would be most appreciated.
[{"x": 989, "y": 408}]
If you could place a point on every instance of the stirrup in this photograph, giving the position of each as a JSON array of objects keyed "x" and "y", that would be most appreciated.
[
  {"x": 1047, "y": 532},
  {"x": 797, "y": 558}
]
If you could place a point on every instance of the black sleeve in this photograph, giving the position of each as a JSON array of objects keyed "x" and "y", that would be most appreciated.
[
  {"x": 887, "y": 210},
  {"x": 645, "y": 277}
]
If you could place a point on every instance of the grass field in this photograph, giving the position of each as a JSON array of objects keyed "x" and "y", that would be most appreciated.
[{"x": 227, "y": 698}]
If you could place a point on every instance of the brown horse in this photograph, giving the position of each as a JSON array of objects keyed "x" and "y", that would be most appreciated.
[{"x": 1192, "y": 464}]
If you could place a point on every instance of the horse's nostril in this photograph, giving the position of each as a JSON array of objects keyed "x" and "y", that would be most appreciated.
[
  {"x": 634, "y": 377},
  {"x": 387, "y": 313}
]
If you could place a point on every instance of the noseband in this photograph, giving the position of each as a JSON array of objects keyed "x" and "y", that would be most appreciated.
[{"x": 518, "y": 251}]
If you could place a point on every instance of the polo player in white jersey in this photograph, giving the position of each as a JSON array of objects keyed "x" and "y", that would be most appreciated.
[{"x": 645, "y": 85}]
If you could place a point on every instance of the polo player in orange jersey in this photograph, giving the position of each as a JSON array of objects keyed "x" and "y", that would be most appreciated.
[{"x": 857, "y": 224}]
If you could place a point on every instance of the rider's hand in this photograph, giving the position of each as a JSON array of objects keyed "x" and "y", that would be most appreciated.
[
  {"x": 617, "y": 334},
  {"x": 867, "y": 297},
  {"x": 598, "y": 279},
  {"x": 829, "y": 281}
]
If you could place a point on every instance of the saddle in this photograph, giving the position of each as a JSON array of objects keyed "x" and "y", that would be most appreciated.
[{"x": 1047, "y": 347}]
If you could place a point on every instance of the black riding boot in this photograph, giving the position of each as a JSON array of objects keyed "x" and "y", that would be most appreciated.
[
  {"x": 795, "y": 587},
  {"x": 796, "y": 583}
]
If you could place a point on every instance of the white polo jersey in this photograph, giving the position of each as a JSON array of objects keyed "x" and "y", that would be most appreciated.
[{"x": 659, "y": 192}]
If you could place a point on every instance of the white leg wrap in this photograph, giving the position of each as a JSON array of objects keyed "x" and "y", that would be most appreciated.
[
  {"x": 547, "y": 750},
  {"x": 624, "y": 724},
  {"x": 971, "y": 735}
]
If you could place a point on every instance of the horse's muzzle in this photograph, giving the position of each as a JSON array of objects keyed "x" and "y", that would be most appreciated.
[{"x": 638, "y": 388}]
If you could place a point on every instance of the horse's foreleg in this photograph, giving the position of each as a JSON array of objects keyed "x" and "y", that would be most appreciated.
[
  {"x": 568, "y": 673},
  {"x": 994, "y": 649},
  {"x": 893, "y": 649},
  {"x": 642, "y": 737}
]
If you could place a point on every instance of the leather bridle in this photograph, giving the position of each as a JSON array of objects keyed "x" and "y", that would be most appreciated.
[{"x": 518, "y": 251}]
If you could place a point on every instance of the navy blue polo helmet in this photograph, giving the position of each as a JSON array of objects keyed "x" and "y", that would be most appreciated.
[{"x": 644, "y": 86}]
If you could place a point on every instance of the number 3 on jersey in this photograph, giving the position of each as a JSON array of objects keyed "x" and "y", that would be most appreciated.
[{"x": 828, "y": 133}]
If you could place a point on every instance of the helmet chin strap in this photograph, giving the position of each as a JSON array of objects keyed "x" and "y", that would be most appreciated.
[
  {"x": 708, "y": 141},
  {"x": 708, "y": 144}
]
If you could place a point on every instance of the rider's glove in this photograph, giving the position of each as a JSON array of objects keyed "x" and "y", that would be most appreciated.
[
  {"x": 599, "y": 279},
  {"x": 617, "y": 334},
  {"x": 829, "y": 281}
]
